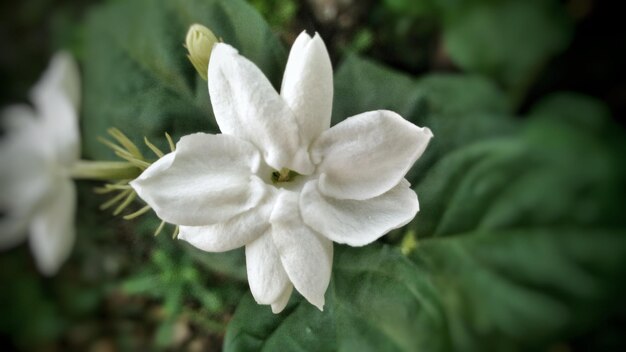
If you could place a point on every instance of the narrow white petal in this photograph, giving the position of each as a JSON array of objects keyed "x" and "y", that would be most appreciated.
[
  {"x": 282, "y": 301},
  {"x": 60, "y": 122},
  {"x": 366, "y": 155},
  {"x": 234, "y": 233},
  {"x": 266, "y": 275},
  {"x": 22, "y": 129},
  {"x": 306, "y": 256},
  {"x": 357, "y": 222},
  {"x": 61, "y": 77},
  {"x": 56, "y": 97},
  {"x": 207, "y": 180},
  {"x": 52, "y": 229},
  {"x": 26, "y": 172},
  {"x": 308, "y": 86},
  {"x": 247, "y": 106}
]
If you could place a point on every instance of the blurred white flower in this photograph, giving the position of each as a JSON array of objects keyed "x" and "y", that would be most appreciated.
[
  {"x": 279, "y": 181},
  {"x": 37, "y": 149}
]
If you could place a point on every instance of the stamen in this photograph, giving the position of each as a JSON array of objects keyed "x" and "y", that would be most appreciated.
[
  {"x": 283, "y": 176},
  {"x": 115, "y": 199},
  {"x": 125, "y": 203},
  {"x": 159, "y": 229},
  {"x": 121, "y": 138},
  {"x": 113, "y": 146},
  {"x": 153, "y": 147},
  {"x": 138, "y": 163},
  {"x": 170, "y": 141},
  {"x": 138, "y": 213}
]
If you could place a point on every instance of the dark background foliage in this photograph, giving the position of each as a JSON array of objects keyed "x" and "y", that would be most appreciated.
[{"x": 520, "y": 244}]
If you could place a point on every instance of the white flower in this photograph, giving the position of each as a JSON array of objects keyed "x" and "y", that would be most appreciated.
[
  {"x": 241, "y": 188},
  {"x": 37, "y": 150}
]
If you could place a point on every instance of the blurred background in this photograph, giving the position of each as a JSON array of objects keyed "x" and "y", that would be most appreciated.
[
  {"x": 124, "y": 289},
  {"x": 406, "y": 35}
]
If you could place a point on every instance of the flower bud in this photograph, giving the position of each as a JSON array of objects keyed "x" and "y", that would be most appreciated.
[{"x": 199, "y": 42}]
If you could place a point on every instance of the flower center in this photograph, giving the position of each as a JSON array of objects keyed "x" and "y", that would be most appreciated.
[{"x": 284, "y": 175}]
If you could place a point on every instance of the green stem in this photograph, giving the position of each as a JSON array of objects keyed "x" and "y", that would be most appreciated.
[{"x": 104, "y": 170}]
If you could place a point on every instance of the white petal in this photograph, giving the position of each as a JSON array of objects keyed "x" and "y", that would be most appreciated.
[
  {"x": 366, "y": 155},
  {"x": 266, "y": 275},
  {"x": 52, "y": 229},
  {"x": 308, "y": 86},
  {"x": 61, "y": 77},
  {"x": 306, "y": 256},
  {"x": 158, "y": 166},
  {"x": 247, "y": 106},
  {"x": 60, "y": 122},
  {"x": 234, "y": 233},
  {"x": 22, "y": 130},
  {"x": 357, "y": 222},
  {"x": 56, "y": 97},
  {"x": 26, "y": 172},
  {"x": 282, "y": 301},
  {"x": 207, "y": 180}
]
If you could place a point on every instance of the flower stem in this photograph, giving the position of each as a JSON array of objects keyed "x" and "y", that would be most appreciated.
[{"x": 104, "y": 170}]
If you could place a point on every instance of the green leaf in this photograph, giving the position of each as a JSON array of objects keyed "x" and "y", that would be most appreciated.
[
  {"x": 524, "y": 286},
  {"x": 521, "y": 244},
  {"x": 577, "y": 109},
  {"x": 164, "y": 336},
  {"x": 278, "y": 13},
  {"x": 144, "y": 283},
  {"x": 508, "y": 40},
  {"x": 362, "y": 85},
  {"x": 478, "y": 292},
  {"x": 137, "y": 76},
  {"x": 459, "y": 109},
  {"x": 231, "y": 263},
  {"x": 553, "y": 173},
  {"x": 300, "y": 327}
]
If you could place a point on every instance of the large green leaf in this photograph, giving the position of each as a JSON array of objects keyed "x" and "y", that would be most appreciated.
[
  {"x": 508, "y": 40},
  {"x": 520, "y": 238},
  {"x": 459, "y": 109},
  {"x": 136, "y": 73},
  {"x": 362, "y": 85},
  {"x": 503, "y": 290},
  {"x": 581, "y": 111},
  {"x": 555, "y": 173}
]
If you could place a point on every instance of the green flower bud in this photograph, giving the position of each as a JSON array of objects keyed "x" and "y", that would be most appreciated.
[{"x": 199, "y": 42}]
